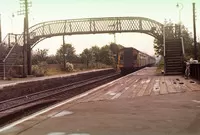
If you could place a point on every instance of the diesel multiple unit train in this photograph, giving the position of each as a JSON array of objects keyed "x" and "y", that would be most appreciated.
[{"x": 130, "y": 59}]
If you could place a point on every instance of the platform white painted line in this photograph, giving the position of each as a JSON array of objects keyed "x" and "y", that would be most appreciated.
[
  {"x": 110, "y": 93},
  {"x": 136, "y": 80},
  {"x": 143, "y": 81},
  {"x": 58, "y": 105},
  {"x": 126, "y": 88},
  {"x": 147, "y": 81},
  {"x": 156, "y": 86},
  {"x": 116, "y": 96},
  {"x": 57, "y": 133},
  {"x": 62, "y": 113},
  {"x": 79, "y": 134},
  {"x": 196, "y": 101}
]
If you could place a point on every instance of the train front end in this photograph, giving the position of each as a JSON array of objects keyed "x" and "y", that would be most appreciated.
[{"x": 127, "y": 60}]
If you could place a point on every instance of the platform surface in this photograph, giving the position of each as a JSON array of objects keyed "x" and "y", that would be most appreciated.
[
  {"x": 4, "y": 83},
  {"x": 140, "y": 103}
]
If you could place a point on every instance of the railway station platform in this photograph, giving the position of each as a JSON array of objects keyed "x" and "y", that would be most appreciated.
[
  {"x": 141, "y": 103},
  {"x": 4, "y": 83}
]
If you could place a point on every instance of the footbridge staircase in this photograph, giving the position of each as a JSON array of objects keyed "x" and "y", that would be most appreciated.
[
  {"x": 174, "y": 52},
  {"x": 11, "y": 51}
]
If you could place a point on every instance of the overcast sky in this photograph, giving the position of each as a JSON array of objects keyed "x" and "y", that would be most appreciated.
[{"x": 46, "y": 10}]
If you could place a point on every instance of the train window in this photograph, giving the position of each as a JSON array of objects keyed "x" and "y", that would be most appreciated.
[
  {"x": 122, "y": 57},
  {"x": 134, "y": 56}
]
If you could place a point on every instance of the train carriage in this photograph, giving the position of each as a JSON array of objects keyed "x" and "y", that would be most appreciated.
[{"x": 130, "y": 59}]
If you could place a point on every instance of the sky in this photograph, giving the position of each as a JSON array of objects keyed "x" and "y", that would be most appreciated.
[{"x": 47, "y": 10}]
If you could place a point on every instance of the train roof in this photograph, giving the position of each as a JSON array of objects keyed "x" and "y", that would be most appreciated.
[{"x": 136, "y": 50}]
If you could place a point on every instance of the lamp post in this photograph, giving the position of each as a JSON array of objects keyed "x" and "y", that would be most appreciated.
[
  {"x": 11, "y": 21},
  {"x": 180, "y": 6}
]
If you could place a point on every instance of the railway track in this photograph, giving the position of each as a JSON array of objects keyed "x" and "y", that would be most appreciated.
[{"x": 11, "y": 106}]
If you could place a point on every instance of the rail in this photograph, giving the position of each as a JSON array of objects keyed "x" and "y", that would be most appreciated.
[
  {"x": 195, "y": 71},
  {"x": 52, "y": 93}
]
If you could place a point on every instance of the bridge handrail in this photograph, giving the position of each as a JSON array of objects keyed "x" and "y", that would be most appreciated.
[
  {"x": 90, "y": 21},
  {"x": 3, "y": 41},
  {"x": 164, "y": 38},
  {"x": 42, "y": 24},
  {"x": 183, "y": 47},
  {"x": 4, "y": 61}
]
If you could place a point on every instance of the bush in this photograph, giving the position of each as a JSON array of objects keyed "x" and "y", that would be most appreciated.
[
  {"x": 69, "y": 67},
  {"x": 40, "y": 69}
]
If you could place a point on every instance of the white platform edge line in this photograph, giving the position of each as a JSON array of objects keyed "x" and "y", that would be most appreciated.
[{"x": 57, "y": 105}]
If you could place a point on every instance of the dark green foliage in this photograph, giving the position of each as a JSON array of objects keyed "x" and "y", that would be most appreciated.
[
  {"x": 170, "y": 33},
  {"x": 96, "y": 55},
  {"x": 86, "y": 56},
  {"x": 67, "y": 51},
  {"x": 106, "y": 56},
  {"x": 39, "y": 55},
  {"x": 115, "y": 47},
  {"x": 52, "y": 59}
]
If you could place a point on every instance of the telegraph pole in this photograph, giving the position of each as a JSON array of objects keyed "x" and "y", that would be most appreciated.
[
  {"x": 194, "y": 27},
  {"x": 24, "y": 10}
]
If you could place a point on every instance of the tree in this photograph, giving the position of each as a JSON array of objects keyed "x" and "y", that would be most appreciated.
[
  {"x": 39, "y": 55},
  {"x": 52, "y": 59},
  {"x": 65, "y": 52},
  {"x": 106, "y": 56},
  {"x": 158, "y": 47},
  {"x": 95, "y": 50},
  {"x": 86, "y": 56},
  {"x": 188, "y": 43},
  {"x": 170, "y": 33},
  {"x": 115, "y": 49}
]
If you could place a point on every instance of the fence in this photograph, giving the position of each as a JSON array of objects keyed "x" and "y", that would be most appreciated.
[{"x": 195, "y": 71}]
